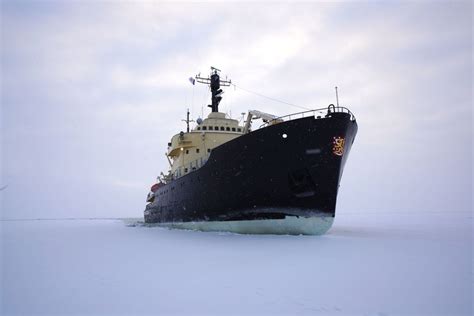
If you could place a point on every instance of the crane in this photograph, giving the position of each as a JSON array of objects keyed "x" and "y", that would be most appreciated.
[{"x": 254, "y": 114}]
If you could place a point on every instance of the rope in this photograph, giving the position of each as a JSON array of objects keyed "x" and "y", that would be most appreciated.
[{"x": 270, "y": 98}]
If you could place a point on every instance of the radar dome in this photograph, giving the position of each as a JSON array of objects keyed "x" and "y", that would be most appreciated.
[{"x": 199, "y": 121}]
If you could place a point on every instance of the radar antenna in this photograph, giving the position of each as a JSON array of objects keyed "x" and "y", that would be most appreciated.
[{"x": 215, "y": 83}]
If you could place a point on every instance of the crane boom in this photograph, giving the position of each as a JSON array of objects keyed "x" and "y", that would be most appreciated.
[{"x": 254, "y": 114}]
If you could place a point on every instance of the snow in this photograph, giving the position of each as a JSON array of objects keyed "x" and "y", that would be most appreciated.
[{"x": 367, "y": 264}]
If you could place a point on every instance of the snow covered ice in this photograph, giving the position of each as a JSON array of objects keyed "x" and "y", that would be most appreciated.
[{"x": 367, "y": 264}]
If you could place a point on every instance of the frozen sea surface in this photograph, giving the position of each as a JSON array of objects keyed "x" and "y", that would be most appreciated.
[{"x": 367, "y": 264}]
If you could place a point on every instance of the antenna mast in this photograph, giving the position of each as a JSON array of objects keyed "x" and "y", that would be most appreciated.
[
  {"x": 215, "y": 83},
  {"x": 187, "y": 120},
  {"x": 337, "y": 98}
]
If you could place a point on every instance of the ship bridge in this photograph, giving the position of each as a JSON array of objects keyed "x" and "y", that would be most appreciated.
[{"x": 190, "y": 150}]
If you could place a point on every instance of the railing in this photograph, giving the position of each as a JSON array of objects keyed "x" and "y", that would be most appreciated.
[
  {"x": 190, "y": 167},
  {"x": 316, "y": 113}
]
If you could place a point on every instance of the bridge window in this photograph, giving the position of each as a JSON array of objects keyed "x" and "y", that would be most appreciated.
[
  {"x": 222, "y": 128},
  {"x": 209, "y": 150},
  {"x": 187, "y": 151},
  {"x": 204, "y": 128},
  {"x": 227, "y": 129},
  {"x": 210, "y": 128},
  {"x": 239, "y": 130},
  {"x": 216, "y": 128},
  {"x": 233, "y": 129},
  {"x": 197, "y": 150},
  {"x": 186, "y": 170},
  {"x": 199, "y": 128}
]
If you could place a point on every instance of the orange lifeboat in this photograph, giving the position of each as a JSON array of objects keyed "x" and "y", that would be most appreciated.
[{"x": 151, "y": 195}]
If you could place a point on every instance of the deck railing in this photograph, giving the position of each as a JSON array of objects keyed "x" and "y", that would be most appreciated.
[{"x": 316, "y": 113}]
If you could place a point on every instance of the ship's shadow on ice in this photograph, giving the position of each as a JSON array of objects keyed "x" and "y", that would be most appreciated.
[
  {"x": 356, "y": 232},
  {"x": 376, "y": 232}
]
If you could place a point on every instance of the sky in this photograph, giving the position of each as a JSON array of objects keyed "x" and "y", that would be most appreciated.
[{"x": 91, "y": 92}]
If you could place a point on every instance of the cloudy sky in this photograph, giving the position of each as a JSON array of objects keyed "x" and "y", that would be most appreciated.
[{"x": 92, "y": 91}]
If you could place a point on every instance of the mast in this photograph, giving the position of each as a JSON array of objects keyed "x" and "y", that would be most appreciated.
[
  {"x": 187, "y": 120},
  {"x": 215, "y": 83}
]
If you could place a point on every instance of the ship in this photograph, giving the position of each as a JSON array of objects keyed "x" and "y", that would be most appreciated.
[{"x": 280, "y": 178}]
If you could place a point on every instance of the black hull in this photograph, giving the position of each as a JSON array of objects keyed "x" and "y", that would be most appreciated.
[{"x": 262, "y": 175}]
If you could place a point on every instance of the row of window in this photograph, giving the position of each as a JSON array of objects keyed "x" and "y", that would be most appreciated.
[
  {"x": 197, "y": 151},
  {"x": 222, "y": 128}
]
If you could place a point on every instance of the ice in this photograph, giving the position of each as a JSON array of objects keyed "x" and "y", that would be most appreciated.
[
  {"x": 290, "y": 225},
  {"x": 367, "y": 264}
]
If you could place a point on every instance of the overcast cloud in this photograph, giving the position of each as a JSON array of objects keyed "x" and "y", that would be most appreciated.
[{"x": 93, "y": 91}]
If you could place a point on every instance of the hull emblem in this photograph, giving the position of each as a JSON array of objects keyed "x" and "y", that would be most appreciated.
[{"x": 338, "y": 146}]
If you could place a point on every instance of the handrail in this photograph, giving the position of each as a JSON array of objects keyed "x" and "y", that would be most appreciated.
[{"x": 317, "y": 113}]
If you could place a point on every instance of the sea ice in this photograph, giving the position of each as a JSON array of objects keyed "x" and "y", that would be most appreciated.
[{"x": 368, "y": 263}]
